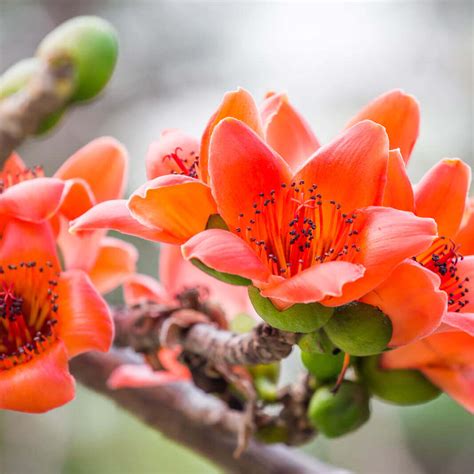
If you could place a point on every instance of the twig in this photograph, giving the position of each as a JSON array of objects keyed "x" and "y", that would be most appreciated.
[
  {"x": 198, "y": 421},
  {"x": 22, "y": 113}
]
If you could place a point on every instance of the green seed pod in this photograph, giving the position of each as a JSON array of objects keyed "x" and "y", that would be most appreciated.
[
  {"x": 401, "y": 387},
  {"x": 336, "y": 414},
  {"x": 16, "y": 78},
  {"x": 359, "y": 329},
  {"x": 324, "y": 367},
  {"x": 92, "y": 45},
  {"x": 302, "y": 318},
  {"x": 317, "y": 342},
  {"x": 225, "y": 277}
]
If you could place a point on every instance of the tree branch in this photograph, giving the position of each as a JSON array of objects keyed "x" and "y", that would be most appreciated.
[
  {"x": 22, "y": 113},
  {"x": 193, "y": 419}
]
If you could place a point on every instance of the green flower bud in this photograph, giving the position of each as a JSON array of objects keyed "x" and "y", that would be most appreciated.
[
  {"x": 215, "y": 221},
  {"x": 242, "y": 323},
  {"x": 298, "y": 318},
  {"x": 92, "y": 45},
  {"x": 359, "y": 329},
  {"x": 265, "y": 379},
  {"x": 16, "y": 78},
  {"x": 324, "y": 367},
  {"x": 272, "y": 434},
  {"x": 225, "y": 277},
  {"x": 401, "y": 387},
  {"x": 336, "y": 414},
  {"x": 316, "y": 342}
]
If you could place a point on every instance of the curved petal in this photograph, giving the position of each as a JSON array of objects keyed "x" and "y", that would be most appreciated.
[
  {"x": 465, "y": 236},
  {"x": 411, "y": 298},
  {"x": 159, "y": 160},
  {"x": 77, "y": 198},
  {"x": 178, "y": 205},
  {"x": 13, "y": 165},
  {"x": 460, "y": 321},
  {"x": 34, "y": 200},
  {"x": 442, "y": 193},
  {"x": 351, "y": 169},
  {"x": 177, "y": 274},
  {"x": 85, "y": 322},
  {"x": 315, "y": 283},
  {"x": 286, "y": 131},
  {"x": 227, "y": 253},
  {"x": 115, "y": 262},
  {"x": 40, "y": 385},
  {"x": 386, "y": 238},
  {"x": 138, "y": 288},
  {"x": 241, "y": 166},
  {"x": 136, "y": 376},
  {"x": 398, "y": 190},
  {"x": 25, "y": 241},
  {"x": 115, "y": 215},
  {"x": 399, "y": 113},
  {"x": 103, "y": 164},
  {"x": 237, "y": 104}
]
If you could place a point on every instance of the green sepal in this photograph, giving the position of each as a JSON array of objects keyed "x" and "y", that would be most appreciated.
[
  {"x": 317, "y": 342},
  {"x": 215, "y": 221},
  {"x": 225, "y": 277},
  {"x": 359, "y": 329},
  {"x": 336, "y": 414},
  {"x": 401, "y": 387},
  {"x": 325, "y": 367},
  {"x": 302, "y": 318},
  {"x": 92, "y": 45}
]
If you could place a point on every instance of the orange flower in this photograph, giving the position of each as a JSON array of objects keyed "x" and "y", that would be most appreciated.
[
  {"x": 95, "y": 173},
  {"x": 174, "y": 208},
  {"x": 46, "y": 317},
  {"x": 309, "y": 236},
  {"x": 437, "y": 283},
  {"x": 447, "y": 359}
]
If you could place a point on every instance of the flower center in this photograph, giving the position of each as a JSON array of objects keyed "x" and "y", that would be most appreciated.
[
  {"x": 28, "y": 305},
  {"x": 8, "y": 179},
  {"x": 442, "y": 258},
  {"x": 299, "y": 229},
  {"x": 187, "y": 165}
]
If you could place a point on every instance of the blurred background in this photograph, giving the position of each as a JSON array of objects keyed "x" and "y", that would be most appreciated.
[{"x": 177, "y": 59}]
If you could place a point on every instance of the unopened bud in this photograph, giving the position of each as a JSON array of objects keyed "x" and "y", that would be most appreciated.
[{"x": 324, "y": 367}]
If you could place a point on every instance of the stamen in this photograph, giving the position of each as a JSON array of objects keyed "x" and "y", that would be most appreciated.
[
  {"x": 8, "y": 179},
  {"x": 191, "y": 170}
]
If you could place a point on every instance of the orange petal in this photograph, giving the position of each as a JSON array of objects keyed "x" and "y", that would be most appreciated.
[
  {"x": 286, "y": 131},
  {"x": 442, "y": 193},
  {"x": 14, "y": 165},
  {"x": 227, "y": 253},
  {"x": 241, "y": 166},
  {"x": 315, "y": 283},
  {"x": 178, "y": 205},
  {"x": 40, "y": 385},
  {"x": 158, "y": 158},
  {"x": 398, "y": 190},
  {"x": 400, "y": 115},
  {"x": 237, "y": 104},
  {"x": 138, "y": 288},
  {"x": 85, "y": 322},
  {"x": 77, "y": 198},
  {"x": 115, "y": 215},
  {"x": 103, "y": 164},
  {"x": 386, "y": 237},
  {"x": 465, "y": 236},
  {"x": 34, "y": 200},
  {"x": 25, "y": 241},
  {"x": 115, "y": 262},
  {"x": 177, "y": 274},
  {"x": 411, "y": 298},
  {"x": 350, "y": 170},
  {"x": 136, "y": 376}
]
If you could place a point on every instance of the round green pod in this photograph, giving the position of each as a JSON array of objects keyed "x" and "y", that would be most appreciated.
[
  {"x": 401, "y": 387},
  {"x": 92, "y": 45},
  {"x": 359, "y": 329},
  {"x": 325, "y": 367},
  {"x": 317, "y": 342},
  {"x": 301, "y": 318},
  {"x": 336, "y": 414}
]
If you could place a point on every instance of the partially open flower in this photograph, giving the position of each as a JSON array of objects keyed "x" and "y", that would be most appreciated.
[{"x": 46, "y": 317}]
